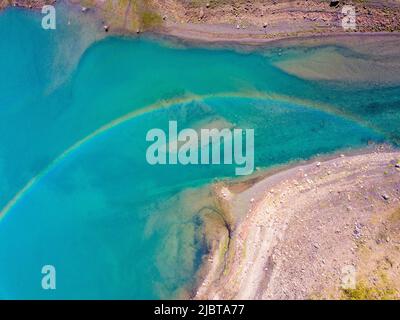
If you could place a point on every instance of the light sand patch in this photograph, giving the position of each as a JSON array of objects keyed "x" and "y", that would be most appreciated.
[{"x": 369, "y": 61}]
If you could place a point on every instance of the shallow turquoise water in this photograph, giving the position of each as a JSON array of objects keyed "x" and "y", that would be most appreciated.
[{"x": 111, "y": 224}]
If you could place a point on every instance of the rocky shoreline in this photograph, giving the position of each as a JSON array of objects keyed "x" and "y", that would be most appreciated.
[
  {"x": 28, "y": 4},
  {"x": 237, "y": 21},
  {"x": 304, "y": 226}
]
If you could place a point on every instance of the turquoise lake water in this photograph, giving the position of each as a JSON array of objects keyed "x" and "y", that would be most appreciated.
[{"x": 77, "y": 193}]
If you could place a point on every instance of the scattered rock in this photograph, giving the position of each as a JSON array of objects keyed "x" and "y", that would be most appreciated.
[
  {"x": 201, "y": 16},
  {"x": 385, "y": 196},
  {"x": 357, "y": 231},
  {"x": 334, "y": 3}
]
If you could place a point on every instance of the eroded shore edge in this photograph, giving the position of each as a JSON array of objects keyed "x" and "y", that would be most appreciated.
[{"x": 243, "y": 268}]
